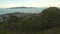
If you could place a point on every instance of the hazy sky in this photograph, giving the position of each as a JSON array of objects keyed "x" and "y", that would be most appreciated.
[{"x": 29, "y": 3}]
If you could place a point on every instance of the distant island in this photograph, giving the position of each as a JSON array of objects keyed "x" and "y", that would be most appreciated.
[{"x": 19, "y": 7}]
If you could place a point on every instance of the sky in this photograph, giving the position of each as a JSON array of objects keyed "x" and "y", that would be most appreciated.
[{"x": 29, "y": 3}]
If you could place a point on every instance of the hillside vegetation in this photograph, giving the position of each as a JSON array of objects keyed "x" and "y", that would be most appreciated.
[{"x": 46, "y": 22}]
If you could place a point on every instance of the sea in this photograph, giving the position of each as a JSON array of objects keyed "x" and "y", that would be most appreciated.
[{"x": 21, "y": 10}]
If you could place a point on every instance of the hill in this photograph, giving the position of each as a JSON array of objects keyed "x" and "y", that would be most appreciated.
[{"x": 32, "y": 23}]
